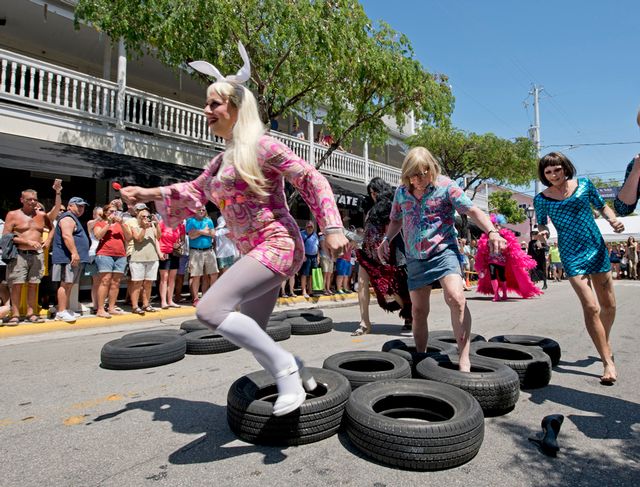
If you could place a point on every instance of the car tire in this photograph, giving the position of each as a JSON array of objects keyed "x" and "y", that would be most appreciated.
[
  {"x": 278, "y": 330},
  {"x": 139, "y": 352},
  {"x": 250, "y": 410},
  {"x": 193, "y": 325},
  {"x": 532, "y": 365},
  {"x": 548, "y": 345},
  {"x": 415, "y": 424},
  {"x": 207, "y": 341},
  {"x": 406, "y": 348},
  {"x": 495, "y": 386},
  {"x": 362, "y": 367},
  {"x": 307, "y": 324},
  {"x": 448, "y": 337}
]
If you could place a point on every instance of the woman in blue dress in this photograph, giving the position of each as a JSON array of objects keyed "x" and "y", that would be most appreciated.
[{"x": 567, "y": 202}]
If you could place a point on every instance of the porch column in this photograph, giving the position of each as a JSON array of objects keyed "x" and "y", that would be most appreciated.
[
  {"x": 122, "y": 84},
  {"x": 365, "y": 155},
  {"x": 312, "y": 150}
]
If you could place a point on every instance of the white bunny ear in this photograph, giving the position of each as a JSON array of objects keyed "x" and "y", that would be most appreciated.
[
  {"x": 244, "y": 73},
  {"x": 207, "y": 68}
]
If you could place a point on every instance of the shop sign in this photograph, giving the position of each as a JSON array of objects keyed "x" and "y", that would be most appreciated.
[{"x": 348, "y": 200}]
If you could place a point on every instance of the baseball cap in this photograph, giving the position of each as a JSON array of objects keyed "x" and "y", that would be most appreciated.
[
  {"x": 76, "y": 200},
  {"x": 140, "y": 206}
]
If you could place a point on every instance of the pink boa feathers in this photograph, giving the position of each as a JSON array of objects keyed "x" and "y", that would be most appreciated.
[{"x": 516, "y": 269}]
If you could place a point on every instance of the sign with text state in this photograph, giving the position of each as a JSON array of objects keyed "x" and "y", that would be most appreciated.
[
  {"x": 347, "y": 200},
  {"x": 609, "y": 193}
]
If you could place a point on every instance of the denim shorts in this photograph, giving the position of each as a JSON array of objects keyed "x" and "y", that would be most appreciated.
[
  {"x": 310, "y": 262},
  {"x": 343, "y": 267},
  {"x": 424, "y": 272},
  {"x": 107, "y": 263}
]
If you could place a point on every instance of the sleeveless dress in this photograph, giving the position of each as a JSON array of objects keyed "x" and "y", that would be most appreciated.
[{"x": 582, "y": 248}]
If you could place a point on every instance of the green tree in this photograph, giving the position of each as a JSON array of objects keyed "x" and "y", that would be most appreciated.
[
  {"x": 473, "y": 159},
  {"x": 305, "y": 55},
  {"x": 503, "y": 202}
]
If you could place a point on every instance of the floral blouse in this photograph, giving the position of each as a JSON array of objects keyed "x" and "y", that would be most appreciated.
[
  {"x": 263, "y": 228},
  {"x": 428, "y": 225}
]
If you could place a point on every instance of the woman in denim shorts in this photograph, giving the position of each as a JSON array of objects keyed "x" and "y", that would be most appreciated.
[
  {"x": 424, "y": 208},
  {"x": 111, "y": 258}
]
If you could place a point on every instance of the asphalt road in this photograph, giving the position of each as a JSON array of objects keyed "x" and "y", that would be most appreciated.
[{"x": 64, "y": 421}]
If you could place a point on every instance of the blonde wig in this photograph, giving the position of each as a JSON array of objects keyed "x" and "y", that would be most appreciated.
[
  {"x": 242, "y": 149},
  {"x": 418, "y": 161}
]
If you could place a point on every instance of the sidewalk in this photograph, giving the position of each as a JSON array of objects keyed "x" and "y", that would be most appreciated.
[{"x": 188, "y": 311}]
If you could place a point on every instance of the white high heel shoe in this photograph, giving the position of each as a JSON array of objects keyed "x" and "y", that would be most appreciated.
[{"x": 295, "y": 377}]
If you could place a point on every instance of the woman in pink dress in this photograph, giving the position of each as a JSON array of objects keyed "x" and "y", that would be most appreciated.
[{"x": 246, "y": 182}]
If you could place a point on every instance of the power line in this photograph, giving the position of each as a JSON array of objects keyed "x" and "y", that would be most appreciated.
[{"x": 573, "y": 146}]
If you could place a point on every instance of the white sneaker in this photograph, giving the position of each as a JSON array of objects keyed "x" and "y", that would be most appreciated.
[{"x": 66, "y": 316}]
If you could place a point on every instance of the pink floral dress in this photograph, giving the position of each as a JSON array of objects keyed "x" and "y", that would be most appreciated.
[{"x": 263, "y": 228}]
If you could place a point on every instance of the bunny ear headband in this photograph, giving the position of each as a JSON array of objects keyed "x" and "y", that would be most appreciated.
[{"x": 210, "y": 70}]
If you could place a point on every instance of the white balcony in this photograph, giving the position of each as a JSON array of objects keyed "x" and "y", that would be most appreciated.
[{"x": 50, "y": 90}]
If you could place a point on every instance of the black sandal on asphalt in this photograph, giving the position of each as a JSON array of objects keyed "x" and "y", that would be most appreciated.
[
  {"x": 35, "y": 319},
  {"x": 139, "y": 311}
]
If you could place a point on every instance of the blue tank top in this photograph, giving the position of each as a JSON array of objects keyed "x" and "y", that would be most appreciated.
[{"x": 61, "y": 254}]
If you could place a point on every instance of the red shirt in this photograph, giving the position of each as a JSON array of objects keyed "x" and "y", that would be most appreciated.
[
  {"x": 113, "y": 242},
  {"x": 169, "y": 236}
]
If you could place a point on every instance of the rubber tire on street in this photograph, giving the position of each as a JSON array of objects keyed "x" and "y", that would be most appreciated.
[
  {"x": 139, "y": 352},
  {"x": 362, "y": 367},
  {"x": 532, "y": 365},
  {"x": 250, "y": 410},
  {"x": 151, "y": 333},
  {"x": 447, "y": 336},
  {"x": 415, "y": 424},
  {"x": 280, "y": 316},
  {"x": 548, "y": 345},
  {"x": 205, "y": 342},
  {"x": 295, "y": 313},
  {"x": 307, "y": 324},
  {"x": 406, "y": 348},
  {"x": 495, "y": 386},
  {"x": 278, "y": 330},
  {"x": 193, "y": 325}
]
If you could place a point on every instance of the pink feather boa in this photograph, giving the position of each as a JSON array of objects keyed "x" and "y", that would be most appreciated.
[{"x": 516, "y": 270}]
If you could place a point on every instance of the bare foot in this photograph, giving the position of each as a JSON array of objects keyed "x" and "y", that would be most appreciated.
[
  {"x": 464, "y": 365},
  {"x": 102, "y": 314},
  {"x": 609, "y": 376}
]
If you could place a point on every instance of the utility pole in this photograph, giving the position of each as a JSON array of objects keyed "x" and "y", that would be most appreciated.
[{"x": 534, "y": 130}]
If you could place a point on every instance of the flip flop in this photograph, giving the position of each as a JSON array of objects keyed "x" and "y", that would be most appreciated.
[
  {"x": 14, "y": 321},
  {"x": 35, "y": 319}
]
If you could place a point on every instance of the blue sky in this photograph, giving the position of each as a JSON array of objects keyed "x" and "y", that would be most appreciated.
[{"x": 585, "y": 54}]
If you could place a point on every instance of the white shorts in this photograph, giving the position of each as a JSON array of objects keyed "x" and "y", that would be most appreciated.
[{"x": 144, "y": 271}]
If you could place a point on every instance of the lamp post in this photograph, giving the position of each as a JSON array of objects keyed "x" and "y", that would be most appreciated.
[{"x": 530, "y": 212}]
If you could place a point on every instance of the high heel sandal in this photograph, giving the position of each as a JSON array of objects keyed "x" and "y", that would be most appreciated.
[{"x": 289, "y": 402}]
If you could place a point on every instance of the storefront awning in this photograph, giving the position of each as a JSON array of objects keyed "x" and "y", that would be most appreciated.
[
  {"x": 349, "y": 194},
  {"x": 28, "y": 154}
]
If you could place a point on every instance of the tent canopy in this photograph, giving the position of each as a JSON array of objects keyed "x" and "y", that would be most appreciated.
[{"x": 631, "y": 229}]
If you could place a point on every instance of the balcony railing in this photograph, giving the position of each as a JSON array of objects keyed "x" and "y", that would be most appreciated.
[{"x": 44, "y": 86}]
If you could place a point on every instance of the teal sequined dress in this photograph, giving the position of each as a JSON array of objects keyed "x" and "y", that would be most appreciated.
[{"x": 582, "y": 248}]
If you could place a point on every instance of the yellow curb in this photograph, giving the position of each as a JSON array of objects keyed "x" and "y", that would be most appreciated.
[
  {"x": 82, "y": 323},
  {"x": 24, "y": 328}
]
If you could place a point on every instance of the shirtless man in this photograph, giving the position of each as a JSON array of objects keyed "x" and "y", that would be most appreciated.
[{"x": 28, "y": 225}]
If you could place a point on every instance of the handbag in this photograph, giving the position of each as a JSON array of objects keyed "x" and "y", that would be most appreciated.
[
  {"x": 317, "y": 279},
  {"x": 179, "y": 249}
]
